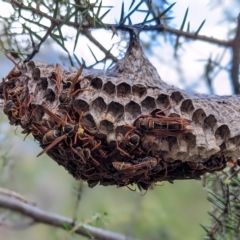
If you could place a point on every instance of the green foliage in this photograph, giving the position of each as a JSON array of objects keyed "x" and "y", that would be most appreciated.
[{"x": 223, "y": 193}]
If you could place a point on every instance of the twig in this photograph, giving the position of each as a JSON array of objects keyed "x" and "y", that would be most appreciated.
[
  {"x": 16, "y": 195},
  {"x": 88, "y": 34},
  {"x": 41, "y": 216},
  {"x": 17, "y": 225},
  {"x": 79, "y": 196},
  {"x": 121, "y": 27},
  {"x": 37, "y": 47},
  {"x": 198, "y": 37}
]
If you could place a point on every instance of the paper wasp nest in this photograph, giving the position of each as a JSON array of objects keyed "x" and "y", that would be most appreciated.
[{"x": 122, "y": 126}]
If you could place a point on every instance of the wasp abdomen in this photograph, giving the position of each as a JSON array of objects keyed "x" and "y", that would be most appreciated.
[{"x": 50, "y": 136}]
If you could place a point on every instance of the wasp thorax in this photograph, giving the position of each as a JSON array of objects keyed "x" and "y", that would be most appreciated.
[{"x": 67, "y": 129}]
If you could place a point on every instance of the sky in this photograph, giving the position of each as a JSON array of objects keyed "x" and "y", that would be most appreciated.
[{"x": 192, "y": 55}]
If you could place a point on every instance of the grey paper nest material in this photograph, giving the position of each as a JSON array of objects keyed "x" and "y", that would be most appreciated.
[{"x": 122, "y": 126}]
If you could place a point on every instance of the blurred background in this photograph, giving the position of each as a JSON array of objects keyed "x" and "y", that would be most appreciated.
[{"x": 169, "y": 211}]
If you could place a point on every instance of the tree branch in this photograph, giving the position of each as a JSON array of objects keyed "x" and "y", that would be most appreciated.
[
  {"x": 121, "y": 26},
  {"x": 234, "y": 73},
  {"x": 41, "y": 216},
  {"x": 88, "y": 34},
  {"x": 198, "y": 37}
]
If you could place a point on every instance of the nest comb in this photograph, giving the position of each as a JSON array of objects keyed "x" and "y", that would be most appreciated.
[{"x": 118, "y": 127}]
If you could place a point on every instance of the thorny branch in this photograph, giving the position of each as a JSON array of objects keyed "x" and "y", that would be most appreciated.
[
  {"x": 121, "y": 26},
  {"x": 40, "y": 216},
  {"x": 193, "y": 36},
  {"x": 88, "y": 22},
  {"x": 88, "y": 34}
]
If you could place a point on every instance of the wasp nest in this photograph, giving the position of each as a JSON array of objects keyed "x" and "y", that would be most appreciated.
[{"x": 122, "y": 126}]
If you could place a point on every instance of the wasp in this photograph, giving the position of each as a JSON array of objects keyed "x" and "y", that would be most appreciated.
[
  {"x": 84, "y": 154},
  {"x": 132, "y": 140},
  {"x": 148, "y": 162},
  {"x": 63, "y": 97},
  {"x": 8, "y": 106},
  {"x": 91, "y": 142},
  {"x": 56, "y": 136},
  {"x": 162, "y": 125},
  {"x": 14, "y": 92},
  {"x": 66, "y": 127},
  {"x": 145, "y": 185},
  {"x": 88, "y": 154},
  {"x": 50, "y": 136},
  {"x": 92, "y": 183},
  {"x": 119, "y": 155},
  {"x": 68, "y": 81},
  {"x": 73, "y": 80},
  {"x": 54, "y": 143},
  {"x": 12, "y": 110},
  {"x": 103, "y": 153}
]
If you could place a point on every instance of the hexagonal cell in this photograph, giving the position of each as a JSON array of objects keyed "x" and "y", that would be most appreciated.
[
  {"x": 52, "y": 76},
  {"x": 233, "y": 141},
  {"x": 81, "y": 105},
  {"x": 199, "y": 116},
  {"x": 187, "y": 106},
  {"x": 116, "y": 110},
  {"x": 31, "y": 65},
  {"x": 122, "y": 130},
  {"x": 97, "y": 83},
  {"x": 50, "y": 95},
  {"x": 151, "y": 143},
  {"x": 88, "y": 121},
  {"x": 123, "y": 90},
  {"x": 139, "y": 90},
  {"x": 36, "y": 74},
  {"x": 98, "y": 106},
  {"x": 162, "y": 101},
  {"x": 223, "y": 146},
  {"x": 132, "y": 110},
  {"x": 210, "y": 121},
  {"x": 190, "y": 139},
  {"x": 84, "y": 83},
  {"x": 176, "y": 97},
  {"x": 43, "y": 83},
  {"x": 148, "y": 104},
  {"x": 222, "y": 132},
  {"x": 172, "y": 142},
  {"x": 106, "y": 127},
  {"x": 109, "y": 88}
]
